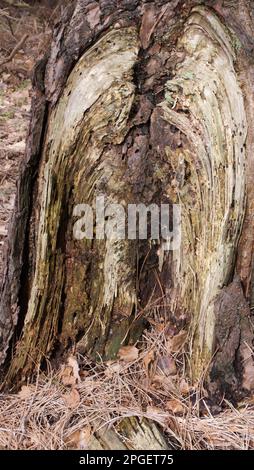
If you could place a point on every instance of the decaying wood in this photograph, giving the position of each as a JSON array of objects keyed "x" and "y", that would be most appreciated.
[
  {"x": 132, "y": 435},
  {"x": 210, "y": 164},
  {"x": 141, "y": 102}
]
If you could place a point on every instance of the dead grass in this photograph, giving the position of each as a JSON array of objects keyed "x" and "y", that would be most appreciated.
[{"x": 91, "y": 397}]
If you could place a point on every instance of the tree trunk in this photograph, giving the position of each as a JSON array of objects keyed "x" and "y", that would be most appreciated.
[{"x": 141, "y": 102}]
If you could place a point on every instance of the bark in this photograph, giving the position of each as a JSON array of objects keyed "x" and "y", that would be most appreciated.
[{"x": 142, "y": 102}]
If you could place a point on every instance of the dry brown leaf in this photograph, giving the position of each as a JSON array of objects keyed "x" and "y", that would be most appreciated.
[
  {"x": 67, "y": 377},
  {"x": 154, "y": 412},
  {"x": 184, "y": 387},
  {"x": 79, "y": 439},
  {"x": 26, "y": 391},
  {"x": 164, "y": 381},
  {"x": 72, "y": 362},
  {"x": 72, "y": 399},
  {"x": 128, "y": 353},
  {"x": 175, "y": 344},
  {"x": 174, "y": 406},
  {"x": 70, "y": 373},
  {"x": 167, "y": 365}
]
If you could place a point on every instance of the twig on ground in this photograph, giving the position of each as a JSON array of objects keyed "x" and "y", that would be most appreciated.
[
  {"x": 21, "y": 4},
  {"x": 15, "y": 50}
]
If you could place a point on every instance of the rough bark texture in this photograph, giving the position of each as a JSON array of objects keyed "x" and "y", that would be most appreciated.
[{"x": 141, "y": 102}]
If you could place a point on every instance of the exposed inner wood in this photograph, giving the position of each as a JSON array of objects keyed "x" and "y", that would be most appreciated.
[{"x": 205, "y": 103}]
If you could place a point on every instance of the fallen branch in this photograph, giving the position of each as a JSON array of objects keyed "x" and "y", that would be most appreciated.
[
  {"x": 12, "y": 3},
  {"x": 15, "y": 50}
]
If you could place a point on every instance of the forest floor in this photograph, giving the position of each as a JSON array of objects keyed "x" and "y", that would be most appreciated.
[
  {"x": 64, "y": 409},
  {"x": 70, "y": 408},
  {"x": 26, "y": 33},
  {"x": 14, "y": 118}
]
